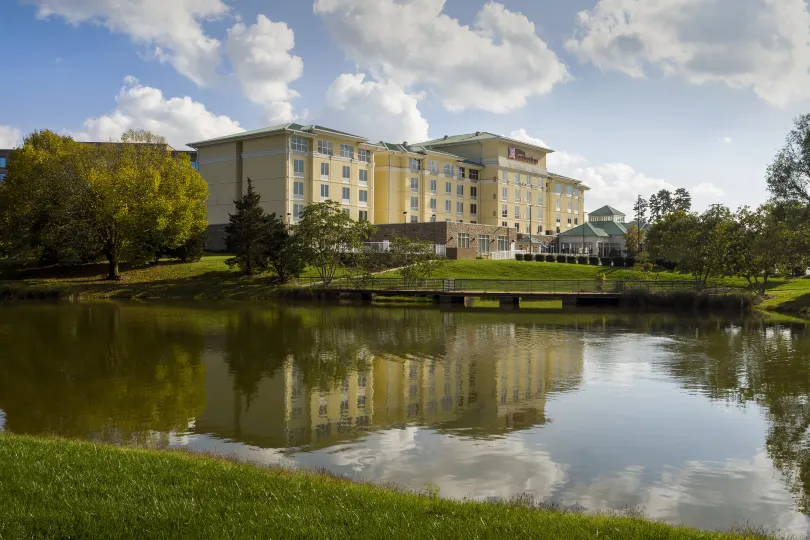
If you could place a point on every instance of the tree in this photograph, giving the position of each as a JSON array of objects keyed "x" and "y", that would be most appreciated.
[
  {"x": 766, "y": 242},
  {"x": 682, "y": 200},
  {"x": 416, "y": 260},
  {"x": 661, "y": 204},
  {"x": 284, "y": 253},
  {"x": 634, "y": 238},
  {"x": 248, "y": 232},
  {"x": 640, "y": 208},
  {"x": 788, "y": 176},
  {"x": 326, "y": 232}
]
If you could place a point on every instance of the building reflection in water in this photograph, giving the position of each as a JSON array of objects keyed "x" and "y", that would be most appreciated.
[{"x": 486, "y": 381}]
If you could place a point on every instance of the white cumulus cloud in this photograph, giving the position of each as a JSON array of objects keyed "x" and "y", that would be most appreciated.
[
  {"x": 726, "y": 140},
  {"x": 261, "y": 59},
  {"x": 180, "y": 119},
  {"x": 379, "y": 111},
  {"x": 9, "y": 136},
  {"x": 171, "y": 28},
  {"x": 494, "y": 65},
  {"x": 617, "y": 184},
  {"x": 762, "y": 45}
]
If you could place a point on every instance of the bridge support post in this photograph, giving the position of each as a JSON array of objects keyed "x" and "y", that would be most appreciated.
[
  {"x": 469, "y": 301},
  {"x": 510, "y": 302}
]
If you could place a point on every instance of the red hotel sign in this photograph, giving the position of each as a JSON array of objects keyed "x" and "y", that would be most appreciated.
[{"x": 520, "y": 155}]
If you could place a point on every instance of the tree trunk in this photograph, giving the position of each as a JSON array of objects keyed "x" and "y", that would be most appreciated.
[{"x": 112, "y": 258}]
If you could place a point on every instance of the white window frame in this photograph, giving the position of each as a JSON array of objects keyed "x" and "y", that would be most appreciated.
[
  {"x": 414, "y": 164},
  {"x": 347, "y": 151},
  {"x": 362, "y": 197},
  {"x": 473, "y": 209},
  {"x": 448, "y": 171},
  {"x": 364, "y": 155},
  {"x": 433, "y": 185},
  {"x": 504, "y": 177},
  {"x": 363, "y": 176},
  {"x": 474, "y": 174},
  {"x": 324, "y": 192},
  {"x": 517, "y": 195},
  {"x": 448, "y": 188},
  {"x": 299, "y": 144},
  {"x": 325, "y": 147},
  {"x": 298, "y": 191},
  {"x": 346, "y": 174},
  {"x": 460, "y": 190},
  {"x": 473, "y": 193},
  {"x": 433, "y": 204},
  {"x": 343, "y": 198},
  {"x": 415, "y": 204},
  {"x": 504, "y": 210},
  {"x": 296, "y": 213},
  {"x": 433, "y": 166},
  {"x": 296, "y": 172},
  {"x": 414, "y": 185},
  {"x": 517, "y": 212},
  {"x": 448, "y": 205},
  {"x": 362, "y": 215},
  {"x": 504, "y": 194},
  {"x": 483, "y": 244},
  {"x": 324, "y": 171},
  {"x": 463, "y": 240},
  {"x": 459, "y": 208}
]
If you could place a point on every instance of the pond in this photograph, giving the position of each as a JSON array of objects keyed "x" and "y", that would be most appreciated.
[{"x": 699, "y": 421}]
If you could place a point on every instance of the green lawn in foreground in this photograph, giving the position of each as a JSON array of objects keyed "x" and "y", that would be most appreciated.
[
  {"x": 790, "y": 296},
  {"x": 58, "y": 489}
]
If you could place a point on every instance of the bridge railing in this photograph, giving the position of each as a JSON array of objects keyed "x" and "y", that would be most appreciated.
[{"x": 468, "y": 286}]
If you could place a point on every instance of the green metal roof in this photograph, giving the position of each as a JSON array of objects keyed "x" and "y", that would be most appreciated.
[
  {"x": 479, "y": 136},
  {"x": 586, "y": 229},
  {"x": 292, "y": 127},
  {"x": 423, "y": 149},
  {"x": 606, "y": 211},
  {"x": 612, "y": 228}
]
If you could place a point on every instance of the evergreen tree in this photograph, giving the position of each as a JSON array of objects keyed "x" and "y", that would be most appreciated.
[
  {"x": 683, "y": 200},
  {"x": 248, "y": 231},
  {"x": 285, "y": 254}
]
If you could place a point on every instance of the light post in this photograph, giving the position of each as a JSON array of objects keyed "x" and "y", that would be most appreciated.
[
  {"x": 288, "y": 221},
  {"x": 405, "y": 223}
]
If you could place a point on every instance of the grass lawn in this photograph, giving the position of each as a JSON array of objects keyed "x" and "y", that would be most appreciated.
[
  {"x": 792, "y": 296},
  {"x": 53, "y": 488},
  {"x": 207, "y": 279},
  {"x": 542, "y": 270}
]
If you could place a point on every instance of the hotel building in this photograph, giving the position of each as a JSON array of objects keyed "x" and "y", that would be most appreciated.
[{"x": 477, "y": 178}]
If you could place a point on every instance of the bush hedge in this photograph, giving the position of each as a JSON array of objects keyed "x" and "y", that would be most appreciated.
[
  {"x": 519, "y": 256},
  {"x": 630, "y": 262},
  {"x": 606, "y": 261},
  {"x": 540, "y": 257},
  {"x": 562, "y": 258},
  {"x": 551, "y": 258},
  {"x": 594, "y": 261},
  {"x": 571, "y": 259},
  {"x": 528, "y": 257},
  {"x": 582, "y": 259},
  {"x": 618, "y": 261}
]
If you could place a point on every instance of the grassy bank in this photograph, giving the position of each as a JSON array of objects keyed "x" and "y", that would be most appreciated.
[{"x": 59, "y": 489}]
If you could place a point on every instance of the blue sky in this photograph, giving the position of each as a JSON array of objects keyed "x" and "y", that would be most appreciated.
[{"x": 634, "y": 96}]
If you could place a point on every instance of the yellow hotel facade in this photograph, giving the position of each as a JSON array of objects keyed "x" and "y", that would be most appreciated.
[{"x": 476, "y": 178}]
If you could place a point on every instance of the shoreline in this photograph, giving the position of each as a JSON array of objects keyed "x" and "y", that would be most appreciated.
[{"x": 59, "y": 487}]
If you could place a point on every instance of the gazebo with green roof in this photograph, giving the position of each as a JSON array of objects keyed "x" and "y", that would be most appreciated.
[{"x": 603, "y": 235}]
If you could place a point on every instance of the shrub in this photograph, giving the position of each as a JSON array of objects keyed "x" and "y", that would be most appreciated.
[
  {"x": 593, "y": 261},
  {"x": 561, "y": 258},
  {"x": 630, "y": 262},
  {"x": 571, "y": 259},
  {"x": 192, "y": 250},
  {"x": 540, "y": 258},
  {"x": 551, "y": 258},
  {"x": 582, "y": 259},
  {"x": 519, "y": 256},
  {"x": 528, "y": 257},
  {"x": 618, "y": 261},
  {"x": 606, "y": 261}
]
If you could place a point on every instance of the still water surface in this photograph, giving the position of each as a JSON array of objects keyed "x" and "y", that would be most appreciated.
[{"x": 695, "y": 421}]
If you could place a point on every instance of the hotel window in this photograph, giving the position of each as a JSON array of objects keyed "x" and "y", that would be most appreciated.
[
  {"x": 3, "y": 163},
  {"x": 504, "y": 194},
  {"x": 299, "y": 144},
  {"x": 363, "y": 197},
  {"x": 414, "y": 219},
  {"x": 540, "y": 198},
  {"x": 414, "y": 164},
  {"x": 448, "y": 170},
  {"x": 325, "y": 171},
  {"x": 462, "y": 172},
  {"x": 570, "y": 207},
  {"x": 433, "y": 166},
  {"x": 324, "y": 191},
  {"x": 459, "y": 208},
  {"x": 558, "y": 219},
  {"x": 362, "y": 215},
  {"x": 504, "y": 177},
  {"x": 347, "y": 151},
  {"x": 483, "y": 246},
  {"x": 447, "y": 206},
  {"x": 364, "y": 155},
  {"x": 298, "y": 191},
  {"x": 433, "y": 185},
  {"x": 297, "y": 210},
  {"x": 473, "y": 193},
  {"x": 576, "y": 221},
  {"x": 460, "y": 190},
  {"x": 325, "y": 147},
  {"x": 504, "y": 211},
  {"x": 473, "y": 174},
  {"x": 569, "y": 190},
  {"x": 448, "y": 188},
  {"x": 576, "y": 208},
  {"x": 557, "y": 205},
  {"x": 504, "y": 224},
  {"x": 347, "y": 173},
  {"x": 517, "y": 212},
  {"x": 347, "y": 195},
  {"x": 569, "y": 221},
  {"x": 414, "y": 203},
  {"x": 474, "y": 209},
  {"x": 415, "y": 185},
  {"x": 363, "y": 176},
  {"x": 347, "y": 211},
  {"x": 433, "y": 204},
  {"x": 558, "y": 188},
  {"x": 464, "y": 240},
  {"x": 576, "y": 192},
  {"x": 517, "y": 178},
  {"x": 529, "y": 180},
  {"x": 517, "y": 227},
  {"x": 503, "y": 242},
  {"x": 298, "y": 168},
  {"x": 517, "y": 195}
]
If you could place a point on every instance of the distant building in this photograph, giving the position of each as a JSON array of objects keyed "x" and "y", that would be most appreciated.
[
  {"x": 4, "y": 153},
  {"x": 603, "y": 235}
]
